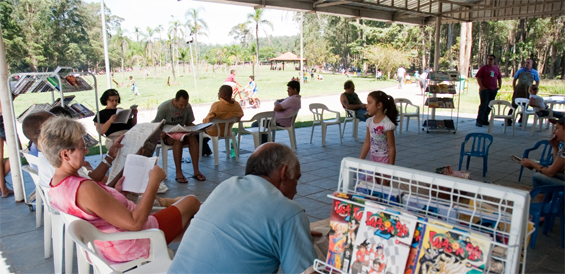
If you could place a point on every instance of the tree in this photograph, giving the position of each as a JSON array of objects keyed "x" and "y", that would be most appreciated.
[
  {"x": 174, "y": 28},
  {"x": 150, "y": 48},
  {"x": 121, "y": 41},
  {"x": 257, "y": 19},
  {"x": 386, "y": 58},
  {"x": 197, "y": 27},
  {"x": 242, "y": 33}
]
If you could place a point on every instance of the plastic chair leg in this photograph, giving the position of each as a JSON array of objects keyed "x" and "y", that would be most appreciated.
[
  {"x": 344, "y": 124},
  {"x": 58, "y": 225},
  {"x": 292, "y": 138},
  {"x": 69, "y": 252},
  {"x": 339, "y": 132},
  {"x": 215, "y": 149},
  {"x": 468, "y": 162},
  {"x": 418, "y": 127},
  {"x": 324, "y": 128},
  {"x": 38, "y": 208},
  {"x": 521, "y": 170},
  {"x": 533, "y": 238},
  {"x": 407, "y": 123},
  {"x": 312, "y": 134},
  {"x": 485, "y": 165},
  {"x": 460, "y": 161},
  {"x": 47, "y": 233},
  {"x": 400, "y": 125},
  {"x": 82, "y": 263}
]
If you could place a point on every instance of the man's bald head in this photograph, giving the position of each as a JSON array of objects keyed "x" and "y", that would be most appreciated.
[
  {"x": 269, "y": 158},
  {"x": 31, "y": 125}
]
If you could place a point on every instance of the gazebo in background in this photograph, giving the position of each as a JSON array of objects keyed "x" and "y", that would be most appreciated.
[{"x": 284, "y": 58}]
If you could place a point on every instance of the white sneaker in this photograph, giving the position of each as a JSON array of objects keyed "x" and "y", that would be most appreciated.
[{"x": 162, "y": 188}]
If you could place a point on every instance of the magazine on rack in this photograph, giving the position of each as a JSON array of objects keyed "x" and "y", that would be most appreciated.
[
  {"x": 383, "y": 241},
  {"x": 142, "y": 139},
  {"x": 338, "y": 237},
  {"x": 178, "y": 132},
  {"x": 445, "y": 249}
]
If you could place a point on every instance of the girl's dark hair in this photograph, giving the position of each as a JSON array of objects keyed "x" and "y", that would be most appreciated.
[
  {"x": 388, "y": 104},
  {"x": 252, "y": 77},
  {"x": 107, "y": 94}
]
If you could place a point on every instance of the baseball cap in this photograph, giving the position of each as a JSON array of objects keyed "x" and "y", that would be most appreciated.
[{"x": 557, "y": 120}]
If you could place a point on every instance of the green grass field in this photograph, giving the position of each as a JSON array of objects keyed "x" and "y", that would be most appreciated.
[{"x": 271, "y": 85}]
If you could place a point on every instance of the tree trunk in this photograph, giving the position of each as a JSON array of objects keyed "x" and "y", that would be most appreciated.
[
  {"x": 257, "y": 42},
  {"x": 563, "y": 67},
  {"x": 196, "y": 49},
  {"x": 423, "y": 50},
  {"x": 480, "y": 57},
  {"x": 462, "y": 45},
  {"x": 469, "y": 47},
  {"x": 173, "y": 64}
]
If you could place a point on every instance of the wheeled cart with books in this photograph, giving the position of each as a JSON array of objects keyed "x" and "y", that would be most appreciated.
[
  {"x": 63, "y": 81},
  {"x": 441, "y": 93},
  {"x": 454, "y": 225}
]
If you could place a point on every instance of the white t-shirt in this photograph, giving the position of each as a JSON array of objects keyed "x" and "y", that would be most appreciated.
[
  {"x": 401, "y": 72},
  {"x": 538, "y": 101}
]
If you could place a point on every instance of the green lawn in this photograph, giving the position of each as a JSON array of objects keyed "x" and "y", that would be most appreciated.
[{"x": 271, "y": 85}]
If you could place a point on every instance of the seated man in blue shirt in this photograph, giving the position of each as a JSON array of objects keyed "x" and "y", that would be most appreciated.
[{"x": 250, "y": 224}]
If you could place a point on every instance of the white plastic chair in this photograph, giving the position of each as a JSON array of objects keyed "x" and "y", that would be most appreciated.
[
  {"x": 33, "y": 160},
  {"x": 84, "y": 234},
  {"x": 351, "y": 117},
  {"x": 523, "y": 105},
  {"x": 228, "y": 134},
  {"x": 406, "y": 110},
  {"x": 290, "y": 129},
  {"x": 499, "y": 110},
  {"x": 266, "y": 124},
  {"x": 318, "y": 113},
  {"x": 538, "y": 119},
  {"x": 164, "y": 150}
]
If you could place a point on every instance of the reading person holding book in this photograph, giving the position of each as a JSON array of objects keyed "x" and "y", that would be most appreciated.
[
  {"x": 61, "y": 140},
  {"x": 178, "y": 111},
  {"x": 109, "y": 125},
  {"x": 250, "y": 224}
]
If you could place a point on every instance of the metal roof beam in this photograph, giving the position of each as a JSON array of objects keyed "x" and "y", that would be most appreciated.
[
  {"x": 503, "y": 7},
  {"x": 518, "y": 16},
  {"x": 470, "y": 5}
]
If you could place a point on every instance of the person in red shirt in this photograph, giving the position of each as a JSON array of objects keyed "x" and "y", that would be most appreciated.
[
  {"x": 489, "y": 80},
  {"x": 230, "y": 80}
]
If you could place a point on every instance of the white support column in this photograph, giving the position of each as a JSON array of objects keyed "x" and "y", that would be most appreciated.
[
  {"x": 436, "y": 52},
  {"x": 301, "y": 48},
  {"x": 105, "y": 38},
  {"x": 8, "y": 116}
]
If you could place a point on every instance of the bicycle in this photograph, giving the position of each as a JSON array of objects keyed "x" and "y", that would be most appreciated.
[{"x": 246, "y": 98}]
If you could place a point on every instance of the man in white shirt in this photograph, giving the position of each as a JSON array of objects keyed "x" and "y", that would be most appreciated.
[{"x": 400, "y": 73}]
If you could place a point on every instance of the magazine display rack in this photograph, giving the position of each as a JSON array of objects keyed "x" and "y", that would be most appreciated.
[
  {"x": 444, "y": 85},
  {"x": 62, "y": 80},
  {"x": 472, "y": 207}
]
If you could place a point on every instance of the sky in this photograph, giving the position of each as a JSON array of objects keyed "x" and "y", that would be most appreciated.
[{"x": 220, "y": 18}]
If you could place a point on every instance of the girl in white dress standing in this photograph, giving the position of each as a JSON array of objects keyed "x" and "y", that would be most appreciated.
[{"x": 379, "y": 140}]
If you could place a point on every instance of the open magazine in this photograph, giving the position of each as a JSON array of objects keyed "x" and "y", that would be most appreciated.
[
  {"x": 178, "y": 132},
  {"x": 123, "y": 116},
  {"x": 136, "y": 171},
  {"x": 142, "y": 139}
]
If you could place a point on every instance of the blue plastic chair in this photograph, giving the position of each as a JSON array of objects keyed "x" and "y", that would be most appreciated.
[
  {"x": 546, "y": 155},
  {"x": 479, "y": 148},
  {"x": 550, "y": 208}
]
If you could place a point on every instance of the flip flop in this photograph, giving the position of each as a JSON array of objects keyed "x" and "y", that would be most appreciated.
[
  {"x": 181, "y": 180},
  {"x": 200, "y": 177}
]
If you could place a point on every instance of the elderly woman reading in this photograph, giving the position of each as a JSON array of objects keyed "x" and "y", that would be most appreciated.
[{"x": 107, "y": 208}]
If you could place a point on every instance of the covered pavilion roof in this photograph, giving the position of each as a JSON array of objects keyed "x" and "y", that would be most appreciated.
[
  {"x": 287, "y": 57},
  {"x": 418, "y": 12}
]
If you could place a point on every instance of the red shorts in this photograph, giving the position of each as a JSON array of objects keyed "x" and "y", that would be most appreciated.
[{"x": 170, "y": 222}]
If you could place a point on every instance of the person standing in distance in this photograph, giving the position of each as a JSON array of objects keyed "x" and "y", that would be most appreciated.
[
  {"x": 490, "y": 81},
  {"x": 523, "y": 79}
]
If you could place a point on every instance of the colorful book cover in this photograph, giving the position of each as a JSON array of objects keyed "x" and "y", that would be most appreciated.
[
  {"x": 383, "y": 241},
  {"x": 445, "y": 250},
  {"x": 353, "y": 223},
  {"x": 415, "y": 247},
  {"x": 338, "y": 230}
]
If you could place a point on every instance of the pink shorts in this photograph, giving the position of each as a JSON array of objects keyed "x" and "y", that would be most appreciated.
[{"x": 384, "y": 159}]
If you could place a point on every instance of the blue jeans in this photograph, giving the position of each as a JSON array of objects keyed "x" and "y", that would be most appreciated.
[
  {"x": 540, "y": 180},
  {"x": 486, "y": 96},
  {"x": 360, "y": 114}
]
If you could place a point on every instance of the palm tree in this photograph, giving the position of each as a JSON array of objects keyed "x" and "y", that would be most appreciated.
[
  {"x": 242, "y": 33},
  {"x": 137, "y": 32},
  {"x": 197, "y": 26},
  {"x": 159, "y": 29},
  {"x": 174, "y": 29},
  {"x": 120, "y": 40},
  {"x": 257, "y": 18},
  {"x": 170, "y": 43},
  {"x": 150, "y": 48}
]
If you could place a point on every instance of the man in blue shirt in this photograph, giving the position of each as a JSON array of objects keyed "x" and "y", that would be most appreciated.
[
  {"x": 250, "y": 224},
  {"x": 523, "y": 79}
]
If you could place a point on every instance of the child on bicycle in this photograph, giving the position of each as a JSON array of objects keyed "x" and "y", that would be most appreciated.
[{"x": 251, "y": 87}]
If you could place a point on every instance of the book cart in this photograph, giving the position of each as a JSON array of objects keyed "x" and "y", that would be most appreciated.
[
  {"x": 470, "y": 206},
  {"x": 62, "y": 80},
  {"x": 441, "y": 93}
]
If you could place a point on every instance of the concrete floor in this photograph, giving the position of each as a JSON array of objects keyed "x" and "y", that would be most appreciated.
[{"x": 21, "y": 243}]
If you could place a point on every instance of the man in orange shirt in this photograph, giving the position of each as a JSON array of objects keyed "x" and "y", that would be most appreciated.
[{"x": 224, "y": 109}]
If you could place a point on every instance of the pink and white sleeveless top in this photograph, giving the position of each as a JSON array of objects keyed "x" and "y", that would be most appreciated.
[{"x": 63, "y": 197}]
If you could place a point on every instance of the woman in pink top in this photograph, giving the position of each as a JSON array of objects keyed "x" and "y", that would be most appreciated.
[{"x": 61, "y": 141}]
